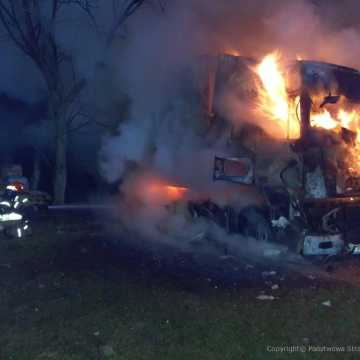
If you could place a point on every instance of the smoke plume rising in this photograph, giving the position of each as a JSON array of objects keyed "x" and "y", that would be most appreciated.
[{"x": 165, "y": 135}]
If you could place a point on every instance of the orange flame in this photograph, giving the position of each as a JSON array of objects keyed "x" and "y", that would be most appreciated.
[
  {"x": 175, "y": 192},
  {"x": 274, "y": 100},
  {"x": 324, "y": 120},
  {"x": 344, "y": 119},
  {"x": 276, "y": 105},
  {"x": 232, "y": 52},
  {"x": 157, "y": 191},
  {"x": 348, "y": 120}
]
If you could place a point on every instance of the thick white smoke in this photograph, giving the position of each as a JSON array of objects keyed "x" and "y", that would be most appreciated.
[{"x": 165, "y": 135}]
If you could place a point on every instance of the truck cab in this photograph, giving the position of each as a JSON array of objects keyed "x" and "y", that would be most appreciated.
[{"x": 312, "y": 187}]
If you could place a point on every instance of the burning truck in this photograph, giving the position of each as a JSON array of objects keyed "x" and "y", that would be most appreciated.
[
  {"x": 305, "y": 164},
  {"x": 280, "y": 140}
]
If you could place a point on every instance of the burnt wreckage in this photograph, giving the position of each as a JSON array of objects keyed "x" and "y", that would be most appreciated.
[{"x": 314, "y": 203}]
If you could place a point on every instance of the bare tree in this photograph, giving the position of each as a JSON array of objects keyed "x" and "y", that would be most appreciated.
[
  {"x": 33, "y": 32},
  {"x": 122, "y": 10},
  {"x": 31, "y": 24}
]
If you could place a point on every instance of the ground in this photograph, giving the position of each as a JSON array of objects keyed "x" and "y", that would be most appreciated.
[{"x": 67, "y": 293}]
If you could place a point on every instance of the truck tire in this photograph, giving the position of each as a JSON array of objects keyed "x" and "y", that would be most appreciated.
[{"x": 253, "y": 223}]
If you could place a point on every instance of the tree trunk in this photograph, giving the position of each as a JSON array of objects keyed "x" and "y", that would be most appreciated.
[
  {"x": 35, "y": 179},
  {"x": 60, "y": 163}
]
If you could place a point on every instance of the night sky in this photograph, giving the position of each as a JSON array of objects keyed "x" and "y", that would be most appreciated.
[{"x": 136, "y": 75}]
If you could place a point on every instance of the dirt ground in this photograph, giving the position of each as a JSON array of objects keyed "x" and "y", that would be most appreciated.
[{"x": 68, "y": 292}]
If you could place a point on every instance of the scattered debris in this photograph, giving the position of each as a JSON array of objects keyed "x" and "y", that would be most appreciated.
[
  {"x": 328, "y": 244},
  {"x": 354, "y": 248},
  {"x": 268, "y": 273},
  {"x": 330, "y": 268},
  {"x": 265, "y": 297},
  {"x": 200, "y": 236},
  {"x": 107, "y": 350},
  {"x": 272, "y": 252},
  {"x": 282, "y": 222},
  {"x": 226, "y": 257},
  {"x": 8, "y": 266},
  {"x": 83, "y": 250},
  {"x": 139, "y": 325},
  {"x": 326, "y": 303}
]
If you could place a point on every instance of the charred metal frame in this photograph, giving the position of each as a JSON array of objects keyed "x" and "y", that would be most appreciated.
[{"x": 311, "y": 140}]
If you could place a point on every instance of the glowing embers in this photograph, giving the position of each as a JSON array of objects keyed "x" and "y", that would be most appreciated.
[
  {"x": 345, "y": 119},
  {"x": 281, "y": 111},
  {"x": 175, "y": 192},
  {"x": 276, "y": 104},
  {"x": 323, "y": 120},
  {"x": 153, "y": 190},
  {"x": 157, "y": 191},
  {"x": 336, "y": 122}
]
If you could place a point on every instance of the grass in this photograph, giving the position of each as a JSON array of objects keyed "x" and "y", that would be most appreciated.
[{"x": 51, "y": 308}]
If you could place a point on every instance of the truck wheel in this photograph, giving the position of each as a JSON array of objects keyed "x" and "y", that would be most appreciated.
[{"x": 253, "y": 223}]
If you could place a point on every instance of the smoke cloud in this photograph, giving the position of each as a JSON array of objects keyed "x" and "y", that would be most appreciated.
[
  {"x": 165, "y": 138},
  {"x": 158, "y": 66}
]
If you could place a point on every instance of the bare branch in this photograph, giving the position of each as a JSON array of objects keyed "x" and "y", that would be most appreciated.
[
  {"x": 34, "y": 35},
  {"x": 161, "y": 5},
  {"x": 55, "y": 8},
  {"x": 86, "y": 123},
  {"x": 73, "y": 117},
  {"x": 11, "y": 32},
  {"x": 90, "y": 120},
  {"x": 86, "y": 5},
  {"x": 10, "y": 22},
  {"x": 80, "y": 114},
  {"x": 30, "y": 29},
  {"x": 75, "y": 90},
  {"x": 43, "y": 155},
  {"x": 129, "y": 8}
]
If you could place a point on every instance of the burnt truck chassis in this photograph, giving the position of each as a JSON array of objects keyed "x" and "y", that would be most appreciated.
[
  {"x": 312, "y": 227},
  {"x": 323, "y": 226}
]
